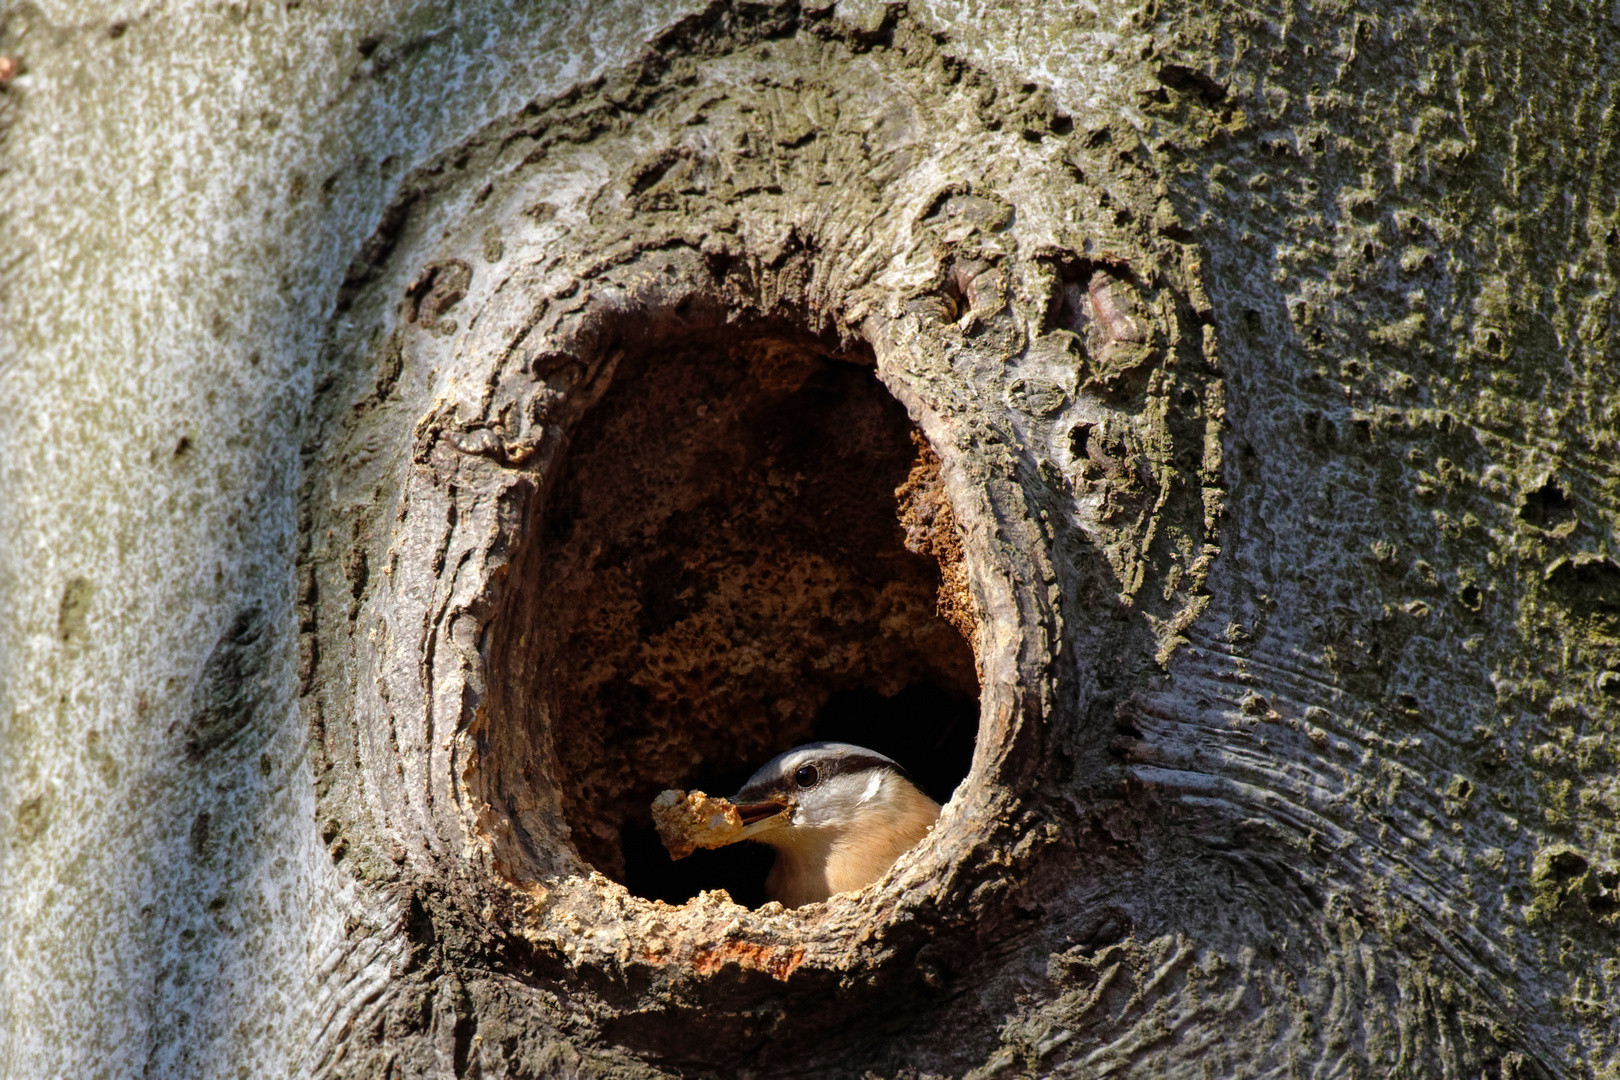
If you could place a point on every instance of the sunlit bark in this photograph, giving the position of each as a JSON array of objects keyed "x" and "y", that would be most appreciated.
[{"x": 1261, "y": 369}]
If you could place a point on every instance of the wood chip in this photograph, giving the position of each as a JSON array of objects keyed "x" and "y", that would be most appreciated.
[{"x": 690, "y": 820}]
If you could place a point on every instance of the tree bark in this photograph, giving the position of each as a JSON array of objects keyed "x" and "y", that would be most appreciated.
[{"x": 435, "y": 431}]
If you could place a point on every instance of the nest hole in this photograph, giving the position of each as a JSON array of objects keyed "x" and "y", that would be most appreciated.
[{"x": 746, "y": 547}]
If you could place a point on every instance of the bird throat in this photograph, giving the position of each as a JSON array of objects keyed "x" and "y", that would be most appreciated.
[{"x": 814, "y": 863}]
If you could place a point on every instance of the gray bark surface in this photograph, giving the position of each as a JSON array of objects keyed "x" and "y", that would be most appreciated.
[{"x": 1265, "y": 360}]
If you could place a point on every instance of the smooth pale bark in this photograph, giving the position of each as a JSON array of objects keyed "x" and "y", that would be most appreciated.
[
  {"x": 184, "y": 187},
  {"x": 1299, "y": 654}
]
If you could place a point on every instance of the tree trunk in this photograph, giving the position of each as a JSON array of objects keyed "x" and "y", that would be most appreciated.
[{"x": 434, "y": 432}]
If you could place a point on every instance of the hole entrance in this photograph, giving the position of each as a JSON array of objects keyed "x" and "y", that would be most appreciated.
[{"x": 721, "y": 574}]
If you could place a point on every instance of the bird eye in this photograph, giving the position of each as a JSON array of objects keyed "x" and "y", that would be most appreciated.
[{"x": 805, "y": 776}]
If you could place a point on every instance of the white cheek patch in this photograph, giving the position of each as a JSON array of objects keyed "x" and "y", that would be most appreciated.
[{"x": 873, "y": 785}]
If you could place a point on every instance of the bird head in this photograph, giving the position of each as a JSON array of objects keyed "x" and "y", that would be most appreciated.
[{"x": 818, "y": 786}]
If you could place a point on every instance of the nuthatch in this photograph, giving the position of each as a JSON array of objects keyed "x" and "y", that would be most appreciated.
[{"x": 837, "y": 815}]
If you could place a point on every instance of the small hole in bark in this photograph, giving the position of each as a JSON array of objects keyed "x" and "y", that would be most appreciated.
[
  {"x": 1548, "y": 507},
  {"x": 720, "y": 572}
]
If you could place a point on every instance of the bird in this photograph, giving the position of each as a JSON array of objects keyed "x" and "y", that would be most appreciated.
[{"x": 837, "y": 815}]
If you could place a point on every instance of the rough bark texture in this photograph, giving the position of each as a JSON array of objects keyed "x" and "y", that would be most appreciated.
[{"x": 1248, "y": 379}]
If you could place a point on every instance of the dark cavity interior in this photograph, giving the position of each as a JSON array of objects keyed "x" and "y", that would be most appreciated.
[{"x": 724, "y": 574}]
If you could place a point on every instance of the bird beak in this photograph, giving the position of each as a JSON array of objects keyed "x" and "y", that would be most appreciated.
[{"x": 760, "y": 817}]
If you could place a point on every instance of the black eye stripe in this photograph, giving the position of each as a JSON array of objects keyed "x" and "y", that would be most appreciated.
[
  {"x": 786, "y": 783},
  {"x": 856, "y": 763}
]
